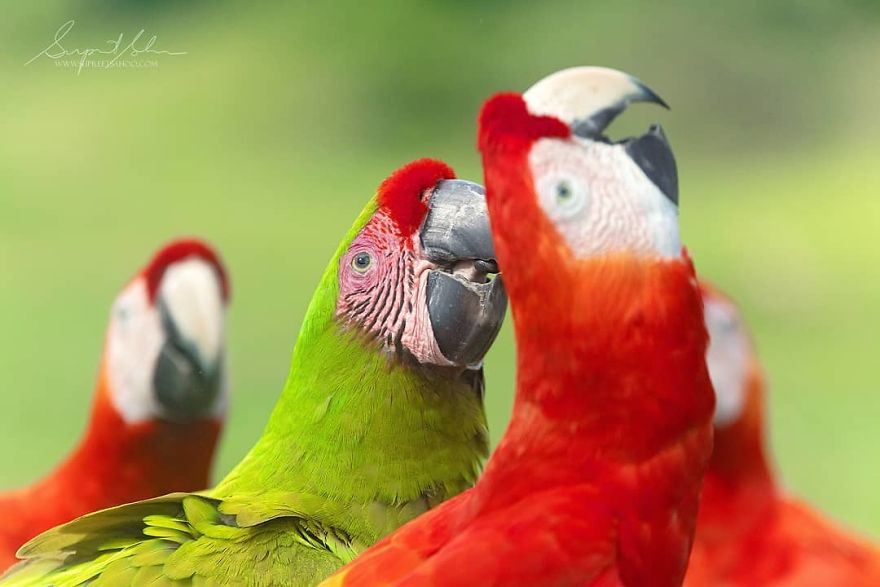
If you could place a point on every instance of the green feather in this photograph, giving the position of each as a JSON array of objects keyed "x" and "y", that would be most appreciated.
[
  {"x": 169, "y": 524},
  {"x": 319, "y": 486},
  {"x": 199, "y": 511}
]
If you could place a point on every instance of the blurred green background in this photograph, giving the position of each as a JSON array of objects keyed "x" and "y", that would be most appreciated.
[{"x": 275, "y": 127}]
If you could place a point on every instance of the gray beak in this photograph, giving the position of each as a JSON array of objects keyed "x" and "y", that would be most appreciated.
[
  {"x": 466, "y": 306},
  {"x": 186, "y": 385},
  {"x": 457, "y": 225}
]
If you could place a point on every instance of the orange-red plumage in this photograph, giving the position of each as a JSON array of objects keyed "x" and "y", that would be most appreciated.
[
  {"x": 117, "y": 461},
  {"x": 749, "y": 531},
  {"x": 596, "y": 481}
]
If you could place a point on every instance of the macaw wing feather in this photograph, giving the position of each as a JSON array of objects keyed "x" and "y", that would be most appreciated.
[
  {"x": 111, "y": 528},
  {"x": 189, "y": 539}
]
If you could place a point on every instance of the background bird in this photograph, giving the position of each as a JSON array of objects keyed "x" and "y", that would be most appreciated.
[
  {"x": 160, "y": 399},
  {"x": 750, "y": 532},
  {"x": 381, "y": 417},
  {"x": 596, "y": 481}
]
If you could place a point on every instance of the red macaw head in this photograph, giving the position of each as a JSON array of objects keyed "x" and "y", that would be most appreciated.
[
  {"x": 732, "y": 361},
  {"x": 587, "y": 237},
  {"x": 165, "y": 352},
  {"x": 564, "y": 190}
]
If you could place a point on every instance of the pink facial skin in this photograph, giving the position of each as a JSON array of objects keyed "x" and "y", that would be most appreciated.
[{"x": 386, "y": 299}]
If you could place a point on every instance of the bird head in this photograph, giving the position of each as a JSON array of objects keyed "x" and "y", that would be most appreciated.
[
  {"x": 586, "y": 231},
  {"x": 417, "y": 275},
  {"x": 731, "y": 359},
  {"x": 165, "y": 355},
  {"x": 582, "y": 194}
]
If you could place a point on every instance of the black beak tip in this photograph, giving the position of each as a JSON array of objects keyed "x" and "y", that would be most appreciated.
[
  {"x": 649, "y": 95},
  {"x": 653, "y": 154},
  {"x": 657, "y": 130}
]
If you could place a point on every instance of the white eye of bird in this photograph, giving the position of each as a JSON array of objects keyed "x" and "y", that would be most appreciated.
[
  {"x": 563, "y": 197},
  {"x": 362, "y": 262}
]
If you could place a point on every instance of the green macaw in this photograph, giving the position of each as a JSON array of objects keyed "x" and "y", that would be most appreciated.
[{"x": 381, "y": 417}]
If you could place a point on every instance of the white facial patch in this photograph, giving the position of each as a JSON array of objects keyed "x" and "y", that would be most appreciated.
[
  {"x": 134, "y": 338},
  {"x": 601, "y": 201},
  {"x": 727, "y": 359}
]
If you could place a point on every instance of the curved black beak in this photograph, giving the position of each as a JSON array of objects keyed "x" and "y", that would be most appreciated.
[
  {"x": 187, "y": 383},
  {"x": 466, "y": 301},
  {"x": 653, "y": 154}
]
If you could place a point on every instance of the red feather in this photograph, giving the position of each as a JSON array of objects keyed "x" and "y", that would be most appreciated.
[
  {"x": 179, "y": 250},
  {"x": 597, "y": 479},
  {"x": 115, "y": 463},
  {"x": 506, "y": 124},
  {"x": 749, "y": 532},
  {"x": 401, "y": 194}
]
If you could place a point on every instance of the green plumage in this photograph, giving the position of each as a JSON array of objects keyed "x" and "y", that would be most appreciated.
[{"x": 319, "y": 486}]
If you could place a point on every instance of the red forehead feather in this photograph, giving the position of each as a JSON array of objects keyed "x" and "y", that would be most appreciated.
[
  {"x": 401, "y": 194},
  {"x": 179, "y": 250},
  {"x": 505, "y": 123}
]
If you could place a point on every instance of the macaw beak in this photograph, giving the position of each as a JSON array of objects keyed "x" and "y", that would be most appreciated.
[
  {"x": 188, "y": 375},
  {"x": 588, "y": 99},
  {"x": 466, "y": 306}
]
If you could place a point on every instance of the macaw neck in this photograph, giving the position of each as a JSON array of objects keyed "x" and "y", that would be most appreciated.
[
  {"x": 358, "y": 426},
  {"x": 611, "y": 370},
  {"x": 115, "y": 462},
  {"x": 739, "y": 482},
  {"x": 141, "y": 459}
]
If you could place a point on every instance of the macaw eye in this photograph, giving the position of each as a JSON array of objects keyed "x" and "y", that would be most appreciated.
[
  {"x": 728, "y": 325},
  {"x": 564, "y": 193},
  {"x": 563, "y": 197},
  {"x": 361, "y": 262},
  {"x": 122, "y": 312}
]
